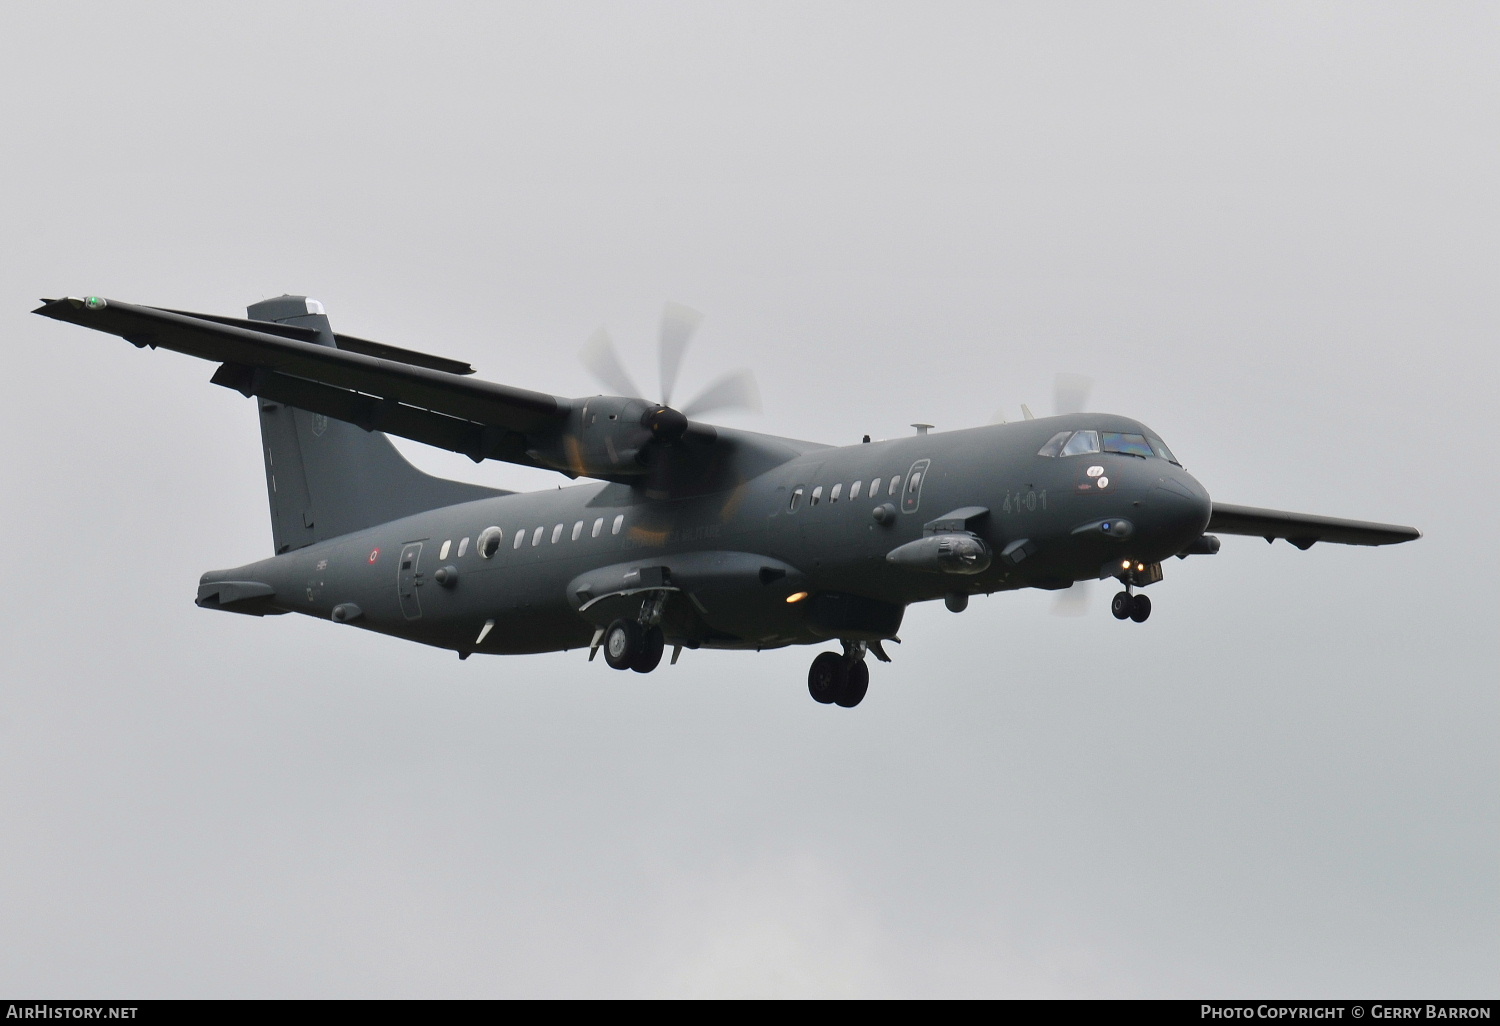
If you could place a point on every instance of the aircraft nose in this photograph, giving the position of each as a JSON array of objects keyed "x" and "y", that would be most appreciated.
[{"x": 1180, "y": 509}]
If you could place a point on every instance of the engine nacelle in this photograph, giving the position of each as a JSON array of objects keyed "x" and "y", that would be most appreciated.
[
  {"x": 953, "y": 553},
  {"x": 602, "y": 437}
]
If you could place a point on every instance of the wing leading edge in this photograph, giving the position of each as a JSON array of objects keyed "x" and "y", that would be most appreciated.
[{"x": 1303, "y": 529}]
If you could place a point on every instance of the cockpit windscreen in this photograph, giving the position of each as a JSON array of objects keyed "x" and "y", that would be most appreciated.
[{"x": 1080, "y": 443}]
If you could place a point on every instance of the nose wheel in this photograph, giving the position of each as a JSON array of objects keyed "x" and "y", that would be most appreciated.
[
  {"x": 1126, "y": 606},
  {"x": 835, "y": 679}
]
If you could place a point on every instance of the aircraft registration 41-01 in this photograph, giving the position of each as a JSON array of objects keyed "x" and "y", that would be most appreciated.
[{"x": 686, "y": 534}]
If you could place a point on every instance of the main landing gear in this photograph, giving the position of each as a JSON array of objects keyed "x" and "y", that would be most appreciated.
[
  {"x": 635, "y": 644},
  {"x": 630, "y": 646},
  {"x": 1126, "y": 606},
  {"x": 840, "y": 678}
]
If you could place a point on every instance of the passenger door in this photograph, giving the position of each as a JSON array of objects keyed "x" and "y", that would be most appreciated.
[{"x": 409, "y": 579}]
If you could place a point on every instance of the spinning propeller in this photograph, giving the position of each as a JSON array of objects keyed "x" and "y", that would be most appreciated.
[
  {"x": 668, "y": 454},
  {"x": 735, "y": 390},
  {"x": 1070, "y": 394}
]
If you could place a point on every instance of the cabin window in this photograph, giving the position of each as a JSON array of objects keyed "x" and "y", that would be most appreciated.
[
  {"x": 520, "y": 537},
  {"x": 833, "y": 496},
  {"x": 619, "y": 523},
  {"x": 556, "y": 533},
  {"x": 489, "y": 541},
  {"x": 577, "y": 530},
  {"x": 854, "y": 490},
  {"x": 536, "y": 537},
  {"x": 443, "y": 552},
  {"x": 598, "y": 526},
  {"x": 913, "y": 483},
  {"x": 875, "y": 488},
  {"x": 796, "y": 500},
  {"x": 895, "y": 485},
  {"x": 463, "y": 546},
  {"x": 1054, "y": 444},
  {"x": 817, "y": 495}
]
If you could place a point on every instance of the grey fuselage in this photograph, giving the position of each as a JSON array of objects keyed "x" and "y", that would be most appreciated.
[{"x": 731, "y": 560}]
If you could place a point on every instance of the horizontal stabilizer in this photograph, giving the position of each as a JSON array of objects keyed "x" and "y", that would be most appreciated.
[
  {"x": 1303, "y": 529},
  {"x": 251, "y": 597}
]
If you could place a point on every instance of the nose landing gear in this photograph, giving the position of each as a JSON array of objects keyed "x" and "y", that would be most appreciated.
[
  {"x": 840, "y": 679},
  {"x": 1126, "y": 606}
]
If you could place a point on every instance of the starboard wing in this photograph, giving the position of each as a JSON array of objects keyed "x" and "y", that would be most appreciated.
[{"x": 1303, "y": 529}]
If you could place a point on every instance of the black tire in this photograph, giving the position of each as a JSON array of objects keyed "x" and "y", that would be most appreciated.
[
  {"x": 649, "y": 657},
  {"x": 1122, "y": 605},
  {"x": 1140, "y": 608},
  {"x": 826, "y": 676},
  {"x": 856, "y": 683},
  {"x": 622, "y": 643}
]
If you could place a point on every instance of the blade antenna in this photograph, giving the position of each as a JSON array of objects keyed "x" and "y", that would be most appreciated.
[{"x": 678, "y": 323}]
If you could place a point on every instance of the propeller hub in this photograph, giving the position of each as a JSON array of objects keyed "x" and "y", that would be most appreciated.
[{"x": 665, "y": 423}]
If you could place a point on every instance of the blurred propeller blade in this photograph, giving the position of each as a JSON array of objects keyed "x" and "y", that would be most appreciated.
[
  {"x": 678, "y": 323},
  {"x": 736, "y": 390},
  {"x": 1075, "y": 600},
  {"x": 1071, "y": 393},
  {"x": 999, "y": 417},
  {"x": 599, "y": 356}
]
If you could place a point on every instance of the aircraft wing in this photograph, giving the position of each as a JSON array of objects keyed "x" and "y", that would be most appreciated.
[
  {"x": 428, "y": 399},
  {"x": 432, "y": 399},
  {"x": 1303, "y": 529}
]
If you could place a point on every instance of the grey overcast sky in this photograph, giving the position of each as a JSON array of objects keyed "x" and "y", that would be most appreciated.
[{"x": 1268, "y": 230}]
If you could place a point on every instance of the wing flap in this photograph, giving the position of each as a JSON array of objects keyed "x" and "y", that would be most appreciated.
[
  {"x": 1303, "y": 529},
  {"x": 348, "y": 343}
]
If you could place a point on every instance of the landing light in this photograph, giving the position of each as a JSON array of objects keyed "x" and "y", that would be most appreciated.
[
  {"x": 796, "y": 596},
  {"x": 1125, "y": 564}
]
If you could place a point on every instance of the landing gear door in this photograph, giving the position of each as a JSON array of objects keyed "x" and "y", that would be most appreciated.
[
  {"x": 409, "y": 579},
  {"x": 911, "y": 494}
]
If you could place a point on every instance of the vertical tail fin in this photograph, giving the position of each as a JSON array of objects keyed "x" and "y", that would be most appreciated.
[{"x": 325, "y": 477}]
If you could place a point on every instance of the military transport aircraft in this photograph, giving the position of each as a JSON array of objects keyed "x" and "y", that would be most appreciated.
[{"x": 689, "y": 535}]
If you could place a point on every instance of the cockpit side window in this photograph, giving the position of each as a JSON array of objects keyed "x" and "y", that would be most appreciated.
[
  {"x": 1131, "y": 445},
  {"x": 1054, "y": 446},
  {"x": 1082, "y": 442},
  {"x": 1160, "y": 448}
]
